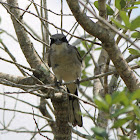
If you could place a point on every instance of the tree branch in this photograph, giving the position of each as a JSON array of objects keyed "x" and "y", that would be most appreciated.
[
  {"x": 24, "y": 41},
  {"x": 29, "y": 113},
  {"x": 12, "y": 57},
  {"x": 108, "y": 44},
  {"x": 50, "y": 24},
  {"x": 102, "y": 8},
  {"x": 12, "y": 78}
]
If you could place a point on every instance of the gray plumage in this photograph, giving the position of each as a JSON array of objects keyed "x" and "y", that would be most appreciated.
[{"x": 66, "y": 64}]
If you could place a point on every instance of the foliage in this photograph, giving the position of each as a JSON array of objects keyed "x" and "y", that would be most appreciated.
[
  {"x": 86, "y": 61},
  {"x": 109, "y": 9},
  {"x": 125, "y": 8},
  {"x": 122, "y": 108}
]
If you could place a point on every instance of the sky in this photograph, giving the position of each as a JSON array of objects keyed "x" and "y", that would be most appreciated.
[{"x": 13, "y": 46}]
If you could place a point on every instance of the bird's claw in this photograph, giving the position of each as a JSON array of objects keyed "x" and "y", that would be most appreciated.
[{"x": 58, "y": 83}]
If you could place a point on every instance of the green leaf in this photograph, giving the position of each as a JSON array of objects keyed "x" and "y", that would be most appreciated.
[
  {"x": 96, "y": 4},
  {"x": 86, "y": 83},
  {"x": 82, "y": 52},
  {"x": 137, "y": 3},
  {"x": 130, "y": 8},
  {"x": 138, "y": 62},
  {"x": 133, "y": 51},
  {"x": 84, "y": 43},
  {"x": 136, "y": 35},
  {"x": 108, "y": 99},
  {"x": 138, "y": 131},
  {"x": 120, "y": 4},
  {"x": 135, "y": 95},
  {"x": 101, "y": 103},
  {"x": 109, "y": 10},
  {"x": 118, "y": 123},
  {"x": 123, "y": 111},
  {"x": 116, "y": 97},
  {"x": 120, "y": 97},
  {"x": 1, "y": 32},
  {"x": 99, "y": 48},
  {"x": 87, "y": 60},
  {"x": 125, "y": 18},
  {"x": 99, "y": 131},
  {"x": 137, "y": 111},
  {"x": 117, "y": 4},
  {"x": 117, "y": 23},
  {"x": 123, "y": 4},
  {"x": 124, "y": 137},
  {"x": 135, "y": 23}
]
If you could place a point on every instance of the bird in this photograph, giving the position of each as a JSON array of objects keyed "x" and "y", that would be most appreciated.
[{"x": 66, "y": 64}]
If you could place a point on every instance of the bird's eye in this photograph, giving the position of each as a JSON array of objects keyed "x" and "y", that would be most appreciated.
[{"x": 64, "y": 39}]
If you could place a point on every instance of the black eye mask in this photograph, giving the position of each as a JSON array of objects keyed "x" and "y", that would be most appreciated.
[{"x": 61, "y": 39}]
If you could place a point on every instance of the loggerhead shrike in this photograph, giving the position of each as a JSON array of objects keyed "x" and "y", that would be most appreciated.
[{"x": 66, "y": 64}]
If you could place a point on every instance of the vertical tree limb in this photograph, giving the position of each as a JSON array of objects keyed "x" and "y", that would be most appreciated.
[
  {"x": 24, "y": 41},
  {"x": 61, "y": 128},
  {"x": 109, "y": 45}
]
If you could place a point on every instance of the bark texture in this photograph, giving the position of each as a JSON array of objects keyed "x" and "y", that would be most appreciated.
[
  {"x": 109, "y": 45},
  {"x": 60, "y": 129}
]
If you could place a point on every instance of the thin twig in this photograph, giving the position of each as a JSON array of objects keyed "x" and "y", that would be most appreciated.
[
  {"x": 6, "y": 94},
  {"x": 72, "y": 28},
  {"x": 38, "y": 127},
  {"x": 4, "y": 31},
  {"x": 49, "y": 9},
  {"x": 81, "y": 135},
  {"x": 36, "y": 132},
  {"x": 12, "y": 57},
  {"x": 30, "y": 69},
  {"x": 85, "y": 95},
  {"x": 106, "y": 77},
  {"x": 20, "y": 131},
  {"x": 45, "y": 21},
  {"x": 33, "y": 32},
  {"x": 109, "y": 25},
  {"x": 29, "y": 113},
  {"x": 11, "y": 120},
  {"x": 21, "y": 17},
  {"x": 61, "y": 16},
  {"x": 22, "y": 23}
]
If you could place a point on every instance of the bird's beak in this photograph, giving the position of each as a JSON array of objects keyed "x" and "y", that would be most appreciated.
[{"x": 58, "y": 42}]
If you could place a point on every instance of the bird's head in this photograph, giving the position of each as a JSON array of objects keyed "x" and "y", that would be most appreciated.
[{"x": 58, "y": 39}]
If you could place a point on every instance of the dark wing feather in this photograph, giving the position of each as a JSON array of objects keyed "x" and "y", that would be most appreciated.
[
  {"x": 49, "y": 54},
  {"x": 77, "y": 52}
]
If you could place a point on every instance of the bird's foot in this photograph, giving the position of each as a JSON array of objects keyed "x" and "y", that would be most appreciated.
[{"x": 58, "y": 83}]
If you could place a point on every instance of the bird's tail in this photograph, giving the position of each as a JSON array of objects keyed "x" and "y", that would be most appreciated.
[{"x": 75, "y": 116}]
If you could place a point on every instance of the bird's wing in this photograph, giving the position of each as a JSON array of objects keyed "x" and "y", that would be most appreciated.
[
  {"x": 77, "y": 53},
  {"x": 49, "y": 54}
]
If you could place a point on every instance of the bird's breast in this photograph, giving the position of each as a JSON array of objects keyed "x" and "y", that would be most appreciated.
[{"x": 66, "y": 67}]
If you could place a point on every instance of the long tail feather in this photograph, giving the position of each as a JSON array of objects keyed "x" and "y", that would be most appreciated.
[{"x": 75, "y": 115}]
